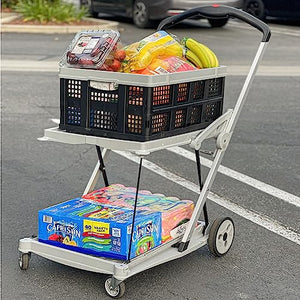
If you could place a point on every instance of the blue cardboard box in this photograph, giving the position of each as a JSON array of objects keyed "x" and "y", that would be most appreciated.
[{"x": 99, "y": 229}]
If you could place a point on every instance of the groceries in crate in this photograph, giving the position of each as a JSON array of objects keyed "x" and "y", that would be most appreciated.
[
  {"x": 100, "y": 222},
  {"x": 173, "y": 210},
  {"x": 158, "y": 53},
  {"x": 139, "y": 55},
  {"x": 99, "y": 50}
]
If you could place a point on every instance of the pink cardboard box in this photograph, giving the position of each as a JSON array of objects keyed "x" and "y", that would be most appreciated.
[{"x": 174, "y": 211}]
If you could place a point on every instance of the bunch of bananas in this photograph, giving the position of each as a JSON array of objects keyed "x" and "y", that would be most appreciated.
[{"x": 199, "y": 54}]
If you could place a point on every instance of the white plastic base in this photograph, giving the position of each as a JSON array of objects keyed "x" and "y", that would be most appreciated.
[{"x": 120, "y": 270}]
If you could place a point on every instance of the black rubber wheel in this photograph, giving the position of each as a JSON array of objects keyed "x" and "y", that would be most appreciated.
[
  {"x": 140, "y": 14},
  {"x": 88, "y": 5},
  {"x": 218, "y": 22},
  {"x": 255, "y": 8},
  {"x": 221, "y": 236},
  {"x": 24, "y": 261},
  {"x": 116, "y": 293},
  {"x": 94, "y": 14}
]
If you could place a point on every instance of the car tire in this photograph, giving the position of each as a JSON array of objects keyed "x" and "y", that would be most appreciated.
[
  {"x": 218, "y": 22},
  {"x": 88, "y": 5},
  {"x": 255, "y": 8},
  {"x": 140, "y": 14}
]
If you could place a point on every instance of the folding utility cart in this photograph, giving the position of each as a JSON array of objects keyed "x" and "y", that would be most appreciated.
[{"x": 142, "y": 114}]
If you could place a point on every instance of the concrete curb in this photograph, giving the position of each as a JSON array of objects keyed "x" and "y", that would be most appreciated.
[{"x": 50, "y": 29}]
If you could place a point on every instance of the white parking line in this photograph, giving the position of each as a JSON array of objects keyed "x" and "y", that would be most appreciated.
[
  {"x": 257, "y": 218},
  {"x": 233, "y": 70},
  {"x": 264, "y": 187}
]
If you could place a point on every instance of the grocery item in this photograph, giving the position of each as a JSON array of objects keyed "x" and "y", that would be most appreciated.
[
  {"x": 206, "y": 56},
  {"x": 165, "y": 65},
  {"x": 191, "y": 56},
  {"x": 173, "y": 211},
  {"x": 140, "y": 54},
  {"x": 100, "y": 230},
  {"x": 95, "y": 50}
]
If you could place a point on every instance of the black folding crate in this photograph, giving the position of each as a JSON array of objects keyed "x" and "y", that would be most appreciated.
[{"x": 135, "y": 109}]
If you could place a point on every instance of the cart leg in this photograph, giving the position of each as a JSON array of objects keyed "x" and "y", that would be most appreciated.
[
  {"x": 96, "y": 173},
  {"x": 201, "y": 200},
  {"x": 135, "y": 206},
  {"x": 205, "y": 213},
  {"x": 102, "y": 166}
]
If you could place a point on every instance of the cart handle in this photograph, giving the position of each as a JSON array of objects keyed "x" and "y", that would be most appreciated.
[{"x": 218, "y": 11}]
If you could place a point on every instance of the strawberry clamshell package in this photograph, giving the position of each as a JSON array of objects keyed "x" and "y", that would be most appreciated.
[{"x": 99, "y": 50}]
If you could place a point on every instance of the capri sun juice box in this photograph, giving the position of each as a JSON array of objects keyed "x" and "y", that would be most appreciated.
[{"x": 99, "y": 229}]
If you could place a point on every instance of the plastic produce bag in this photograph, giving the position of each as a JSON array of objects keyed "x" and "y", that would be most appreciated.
[
  {"x": 140, "y": 54},
  {"x": 165, "y": 65}
]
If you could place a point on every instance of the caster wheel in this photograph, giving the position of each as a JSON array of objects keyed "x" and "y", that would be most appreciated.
[
  {"x": 24, "y": 261},
  {"x": 221, "y": 236},
  {"x": 117, "y": 292}
]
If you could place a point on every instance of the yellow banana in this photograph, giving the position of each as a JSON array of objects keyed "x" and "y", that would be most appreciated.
[
  {"x": 198, "y": 50},
  {"x": 216, "y": 59},
  {"x": 192, "y": 57},
  {"x": 212, "y": 56},
  {"x": 205, "y": 55}
]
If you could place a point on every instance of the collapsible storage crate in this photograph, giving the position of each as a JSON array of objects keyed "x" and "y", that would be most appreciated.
[{"x": 139, "y": 107}]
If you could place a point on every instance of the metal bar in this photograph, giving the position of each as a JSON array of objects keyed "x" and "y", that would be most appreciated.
[
  {"x": 198, "y": 162},
  {"x": 102, "y": 166},
  {"x": 244, "y": 92},
  {"x": 135, "y": 206},
  {"x": 95, "y": 175},
  {"x": 201, "y": 200},
  {"x": 220, "y": 150}
]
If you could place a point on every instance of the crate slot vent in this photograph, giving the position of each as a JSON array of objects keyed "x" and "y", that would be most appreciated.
[
  {"x": 161, "y": 95},
  {"x": 160, "y": 122},
  {"x": 134, "y": 124},
  {"x": 74, "y": 88},
  {"x": 103, "y": 119},
  {"x": 180, "y": 117},
  {"x": 182, "y": 94},
  {"x": 198, "y": 90},
  {"x": 101, "y": 96},
  {"x": 135, "y": 95},
  {"x": 214, "y": 87},
  {"x": 196, "y": 115},
  {"x": 73, "y": 115}
]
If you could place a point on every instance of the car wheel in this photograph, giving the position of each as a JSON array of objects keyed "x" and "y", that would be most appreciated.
[
  {"x": 88, "y": 5},
  {"x": 255, "y": 8},
  {"x": 218, "y": 22},
  {"x": 140, "y": 13}
]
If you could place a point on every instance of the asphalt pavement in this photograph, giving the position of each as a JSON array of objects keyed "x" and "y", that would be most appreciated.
[{"x": 257, "y": 184}]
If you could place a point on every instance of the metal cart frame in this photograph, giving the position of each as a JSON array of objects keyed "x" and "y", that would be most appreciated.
[{"x": 196, "y": 233}]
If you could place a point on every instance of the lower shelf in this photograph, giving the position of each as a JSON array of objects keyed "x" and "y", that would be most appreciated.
[{"x": 121, "y": 270}]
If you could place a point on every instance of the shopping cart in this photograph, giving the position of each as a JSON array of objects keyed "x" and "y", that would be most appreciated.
[{"x": 218, "y": 234}]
